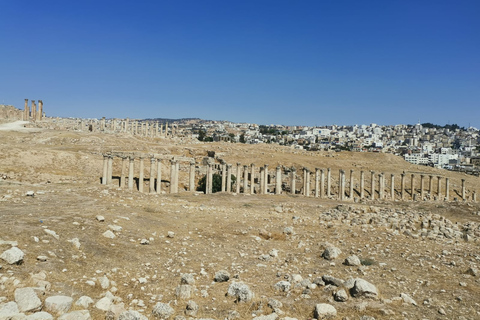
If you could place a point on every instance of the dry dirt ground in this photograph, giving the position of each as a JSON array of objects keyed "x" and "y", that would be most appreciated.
[{"x": 428, "y": 251}]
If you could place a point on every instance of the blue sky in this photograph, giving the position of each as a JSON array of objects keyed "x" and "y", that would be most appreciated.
[{"x": 284, "y": 62}]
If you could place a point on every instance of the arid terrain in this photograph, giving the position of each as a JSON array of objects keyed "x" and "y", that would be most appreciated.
[{"x": 176, "y": 256}]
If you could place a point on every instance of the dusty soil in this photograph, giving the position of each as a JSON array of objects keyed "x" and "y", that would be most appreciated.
[{"x": 227, "y": 232}]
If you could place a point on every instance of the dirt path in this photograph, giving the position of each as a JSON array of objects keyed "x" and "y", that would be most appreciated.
[{"x": 17, "y": 126}]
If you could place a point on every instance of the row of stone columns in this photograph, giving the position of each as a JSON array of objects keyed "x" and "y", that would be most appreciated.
[
  {"x": 155, "y": 178},
  {"x": 134, "y": 127},
  {"x": 377, "y": 181},
  {"x": 32, "y": 113}
]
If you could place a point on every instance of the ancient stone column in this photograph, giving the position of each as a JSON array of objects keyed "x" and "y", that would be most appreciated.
[
  {"x": 252, "y": 179},
  {"x": 304, "y": 180},
  {"x": 421, "y": 186},
  {"x": 105, "y": 169},
  {"x": 362, "y": 184},
  {"x": 141, "y": 176},
  {"x": 110, "y": 169},
  {"x": 130, "y": 173},
  {"x": 122, "y": 174},
  {"x": 224, "y": 176},
  {"x": 402, "y": 186},
  {"x": 307, "y": 183},
  {"x": 191, "y": 180},
  {"x": 26, "y": 111},
  {"x": 392, "y": 187},
  {"x": 265, "y": 180},
  {"x": 261, "y": 177},
  {"x": 350, "y": 194},
  {"x": 474, "y": 196},
  {"x": 159, "y": 176},
  {"x": 40, "y": 110},
  {"x": 278, "y": 181},
  {"x": 229, "y": 178},
  {"x": 317, "y": 182},
  {"x": 463, "y": 190},
  {"x": 239, "y": 177},
  {"x": 341, "y": 187},
  {"x": 322, "y": 183},
  {"x": 292, "y": 182},
  {"x": 177, "y": 175},
  {"x": 372, "y": 186},
  {"x": 126, "y": 125},
  {"x": 210, "y": 179},
  {"x": 412, "y": 186},
  {"x": 381, "y": 186},
  {"x": 34, "y": 111},
  {"x": 245, "y": 179},
  {"x": 447, "y": 189},
  {"x": 329, "y": 182},
  {"x": 152, "y": 176},
  {"x": 173, "y": 165},
  {"x": 102, "y": 124},
  {"x": 430, "y": 186},
  {"x": 439, "y": 188}
]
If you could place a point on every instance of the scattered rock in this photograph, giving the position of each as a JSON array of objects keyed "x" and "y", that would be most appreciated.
[
  {"x": 84, "y": 302},
  {"x": 325, "y": 311},
  {"x": 341, "y": 295},
  {"x": 352, "y": 261},
  {"x": 240, "y": 291},
  {"x": 27, "y": 300},
  {"x": 407, "y": 299},
  {"x": 363, "y": 288},
  {"x": 187, "y": 278},
  {"x": 132, "y": 315},
  {"x": 13, "y": 256},
  {"x": 191, "y": 309},
  {"x": 162, "y": 310},
  {"x": 221, "y": 276},
  {"x": 108, "y": 234},
  {"x": 76, "y": 315},
  {"x": 58, "y": 304},
  {"x": 42, "y": 315},
  {"x": 331, "y": 253}
]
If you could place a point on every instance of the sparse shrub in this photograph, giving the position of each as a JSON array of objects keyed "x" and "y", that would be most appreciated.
[{"x": 367, "y": 262}]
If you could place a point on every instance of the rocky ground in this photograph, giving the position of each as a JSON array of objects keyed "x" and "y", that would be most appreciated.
[{"x": 72, "y": 248}]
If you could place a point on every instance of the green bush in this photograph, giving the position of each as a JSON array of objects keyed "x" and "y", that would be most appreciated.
[{"x": 216, "y": 183}]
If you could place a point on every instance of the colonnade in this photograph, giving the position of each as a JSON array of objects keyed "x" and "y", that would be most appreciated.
[
  {"x": 250, "y": 180},
  {"x": 157, "y": 164},
  {"x": 151, "y": 129},
  {"x": 32, "y": 113}
]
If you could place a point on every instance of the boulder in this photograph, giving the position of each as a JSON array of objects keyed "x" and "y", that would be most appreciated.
[
  {"x": 132, "y": 315},
  {"x": 84, "y": 302},
  {"x": 331, "y": 253},
  {"x": 58, "y": 304},
  {"x": 42, "y": 315},
  {"x": 162, "y": 311},
  {"x": 363, "y": 288},
  {"x": 352, "y": 261},
  {"x": 76, "y": 315},
  {"x": 27, "y": 300},
  {"x": 221, "y": 276},
  {"x": 8, "y": 310},
  {"x": 325, "y": 311},
  {"x": 283, "y": 286},
  {"x": 240, "y": 291},
  {"x": 13, "y": 256}
]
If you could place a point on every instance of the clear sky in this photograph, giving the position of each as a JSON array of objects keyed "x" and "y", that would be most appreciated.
[{"x": 285, "y": 62}]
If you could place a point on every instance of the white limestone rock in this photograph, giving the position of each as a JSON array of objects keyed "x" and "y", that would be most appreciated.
[
  {"x": 331, "y": 253},
  {"x": 76, "y": 315},
  {"x": 104, "y": 304},
  {"x": 183, "y": 291},
  {"x": 221, "y": 276},
  {"x": 108, "y": 234},
  {"x": 272, "y": 316},
  {"x": 27, "y": 300},
  {"x": 352, "y": 261},
  {"x": 283, "y": 286},
  {"x": 407, "y": 299},
  {"x": 58, "y": 304},
  {"x": 341, "y": 295},
  {"x": 75, "y": 242},
  {"x": 325, "y": 311},
  {"x": 84, "y": 302},
  {"x": 100, "y": 218},
  {"x": 8, "y": 310},
  {"x": 187, "y": 278},
  {"x": 104, "y": 282},
  {"x": 162, "y": 311},
  {"x": 42, "y": 315},
  {"x": 52, "y": 233},
  {"x": 240, "y": 291},
  {"x": 132, "y": 315},
  {"x": 13, "y": 256},
  {"x": 363, "y": 288}
]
